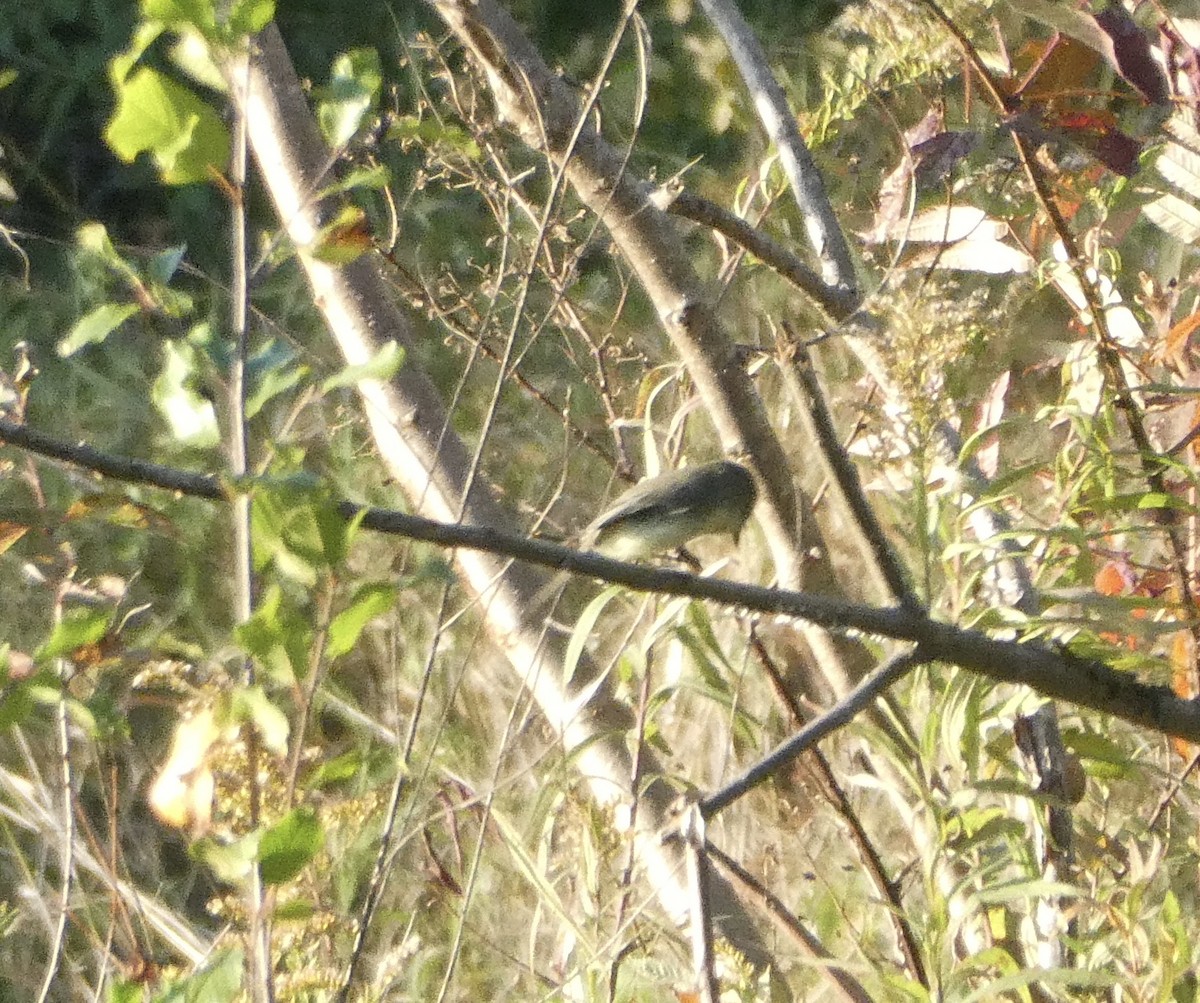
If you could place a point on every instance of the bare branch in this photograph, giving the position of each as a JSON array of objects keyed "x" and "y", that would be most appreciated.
[
  {"x": 824, "y": 231},
  {"x": 1054, "y": 673},
  {"x": 431, "y": 465},
  {"x": 812, "y": 398},
  {"x": 837, "y": 302},
  {"x": 839, "y": 715},
  {"x": 848, "y": 987}
]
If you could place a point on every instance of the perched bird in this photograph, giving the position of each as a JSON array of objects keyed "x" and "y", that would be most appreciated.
[{"x": 664, "y": 513}]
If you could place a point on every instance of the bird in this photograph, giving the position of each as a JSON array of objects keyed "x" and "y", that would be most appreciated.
[{"x": 664, "y": 513}]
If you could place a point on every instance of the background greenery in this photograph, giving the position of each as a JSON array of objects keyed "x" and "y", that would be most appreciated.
[{"x": 509, "y": 883}]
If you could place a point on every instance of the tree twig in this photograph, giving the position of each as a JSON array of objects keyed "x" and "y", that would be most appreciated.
[
  {"x": 768, "y": 99},
  {"x": 839, "y": 715},
  {"x": 847, "y": 986},
  {"x": 837, "y": 302},
  {"x": 812, "y": 398}
]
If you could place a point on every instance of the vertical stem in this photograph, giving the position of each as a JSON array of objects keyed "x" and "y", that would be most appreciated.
[
  {"x": 243, "y": 591},
  {"x": 68, "y": 820}
]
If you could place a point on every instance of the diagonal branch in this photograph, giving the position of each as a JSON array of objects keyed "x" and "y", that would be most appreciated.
[
  {"x": 837, "y": 302},
  {"x": 824, "y": 231},
  {"x": 431, "y": 466}
]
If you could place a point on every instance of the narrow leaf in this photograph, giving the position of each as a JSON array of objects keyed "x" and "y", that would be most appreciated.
[
  {"x": 289, "y": 845},
  {"x": 369, "y": 602},
  {"x": 95, "y": 326}
]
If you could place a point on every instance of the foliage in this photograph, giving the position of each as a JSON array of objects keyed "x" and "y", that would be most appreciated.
[{"x": 210, "y": 755}]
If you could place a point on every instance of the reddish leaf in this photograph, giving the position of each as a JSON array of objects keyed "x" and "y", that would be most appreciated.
[
  {"x": 1113, "y": 579},
  {"x": 10, "y": 533},
  {"x": 1088, "y": 129},
  {"x": 1183, "y": 681},
  {"x": 1153, "y": 583},
  {"x": 1178, "y": 338},
  {"x": 1083, "y": 119}
]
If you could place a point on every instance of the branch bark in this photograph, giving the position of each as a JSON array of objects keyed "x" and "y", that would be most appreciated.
[
  {"x": 1052, "y": 672},
  {"x": 430, "y": 464}
]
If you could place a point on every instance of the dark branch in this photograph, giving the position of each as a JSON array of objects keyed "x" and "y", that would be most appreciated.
[
  {"x": 838, "y": 302},
  {"x": 1053, "y": 673},
  {"x": 840, "y": 714}
]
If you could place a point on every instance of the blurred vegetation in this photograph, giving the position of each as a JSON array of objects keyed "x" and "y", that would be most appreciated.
[{"x": 117, "y": 625}]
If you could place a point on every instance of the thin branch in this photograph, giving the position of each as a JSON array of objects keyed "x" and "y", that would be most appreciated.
[
  {"x": 1054, "y": 673},
  {"x": 67, "y": 851},
  {"x": 639, "y": 744},
  {"x": 826, "y": 782},
  {"x": 695, "y": 849},
  {"x": 840, "y": 714},
  {"x": 824, "y": 232},
  {"x": 29, "y": 814},
  {"x": 751, "y": 888},
  {"x": 844, "y": 472},
  {"x": 262, "y": 980},
  {"x": 837, "y": 302}
]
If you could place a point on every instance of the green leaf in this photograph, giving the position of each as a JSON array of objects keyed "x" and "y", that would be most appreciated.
[
  {"x": 144, "y": 35},
  {"x": 252, "y": 704},
  {"x": 230, "y": 862},
  {"x": 374, "y": 177},
  {"x": 337, "y": 532},
  {"x": 93, "y": 238},
  {"x": 368, "y": 764},
  {"x": 382, "y": 366},
  {"x": 270, "y": 372},
  {"x": 273, "y": 384},
  {"x": 583, "y": 630},
  {"x": 287, "y": 846},
  {"x": 79, "y": 626},
  {"x": 345, "y": 238},
  {"x": 299, "y": 530},
  {"x": 15, "y": 705},
  {"x": 369, "y": 602},
  {"x": 431, "y": 132},
  {"x": 83, "y": 718},
  {"x": 355, "y": 81},
  {"x": 158, "y": 116},
  {"x": 95, "y": 326},
  {"x": 295, "y": 911},
  {"x": 198, "y": 14},
  {"x": 1142, "y": 500},
  {"x": 192, "y": 418},
  {"x": 125, "y": 991},
  {"x": 264, "y": 637},
  {"x": 220, "y": 981},
  {"x": 163, "y": 266},
  {"x": 248, "y": 17}
]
